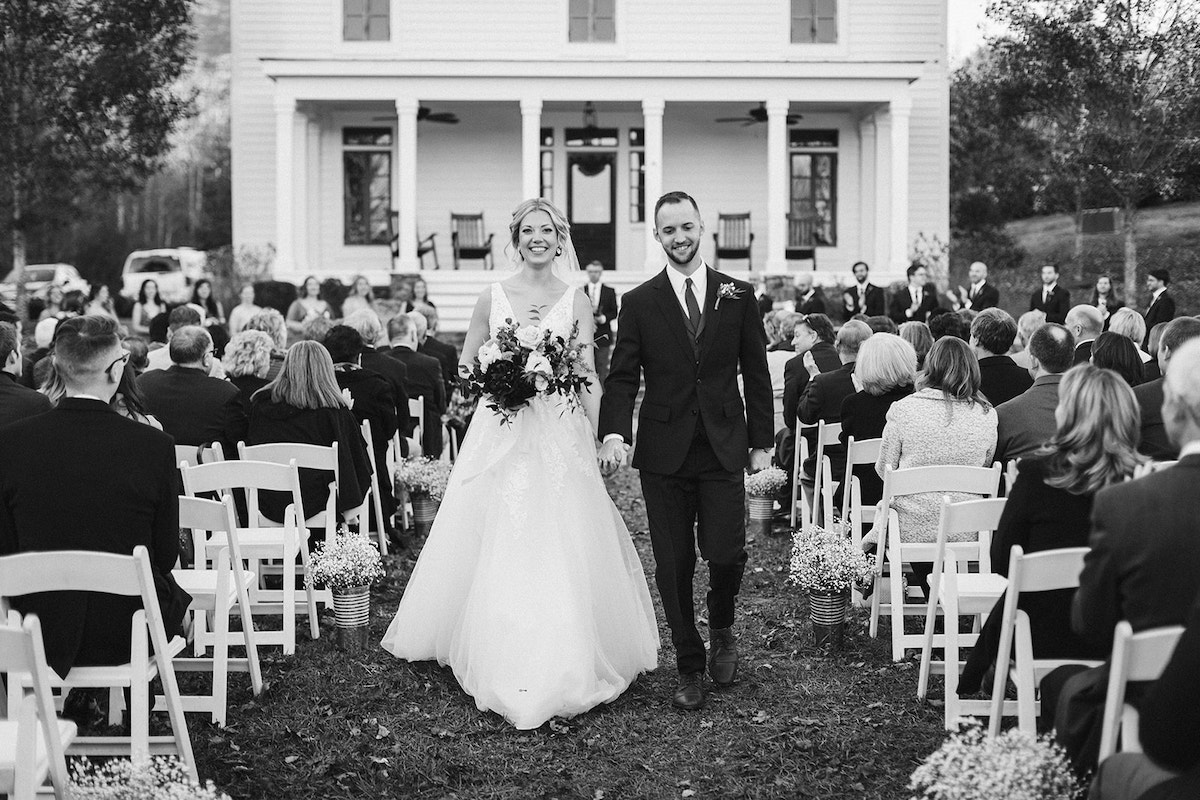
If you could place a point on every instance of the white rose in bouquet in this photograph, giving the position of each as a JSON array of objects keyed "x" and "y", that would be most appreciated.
[
  {"x": 529, "y": 336},
  {"x": 489, "y": 354},
  {"x": 539, "y": 366}
]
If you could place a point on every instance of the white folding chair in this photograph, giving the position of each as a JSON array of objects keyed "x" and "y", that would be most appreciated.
[
  {"x": 955, "y": 592},
  {"x": 1046, "y": 571},
  {"x": 1135, "y": 657},
  {"x": 283, "y": 541},
  {"x": 126, "y": 576},
  {"x": 858, "y": 516},
  {"x": 1010, "y": 476},
  {"x": 32, "y": 738},
  {"x": 892, "y": 550},
  {"x": 374, "y": 500},
  {"x": 204, "y": 454},
  {"x": 1151, "y": 467},
  {"x": 215, "y": 592},
  {"x": 394, "y": 458},
  {"x": 824, "y": 485},
  {"x": 416, "y": 410},
  {"x": 799, "y": 456}
]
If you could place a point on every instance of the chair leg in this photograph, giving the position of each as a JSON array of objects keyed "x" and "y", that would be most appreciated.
[
  {"x": 950, "y": 637},
  {"x": 289, "y": 605},
  {"x": 1026, "y": 714},
  {"x": 139, "y": 700},
  {"x": 927, "y": 646},
  {"x": 250, "y": 638},
  {"x": 314, "y": 627},
  {"x": 116, "y": 704},
  {"x": 896, "y": 594},
  {"x": 220, "y": 672}
]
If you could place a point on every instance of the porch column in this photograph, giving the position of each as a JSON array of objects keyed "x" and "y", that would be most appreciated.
[
  {"x": 900, "y": 110},
  {"x": 777, "y": 185},
  {"x": 866, "y": 192},
  {"x": 883, "y": 192},
  {"x": 531, "y": 141},
  {"x": 285, "y": 167},
  {"x": 652, "y": 120},
  {"x": 404, "y": 183},
  {"x": 308, "y": 133}
]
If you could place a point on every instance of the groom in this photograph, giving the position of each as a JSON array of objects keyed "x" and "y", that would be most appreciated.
[{"x": 688, "y": 329}]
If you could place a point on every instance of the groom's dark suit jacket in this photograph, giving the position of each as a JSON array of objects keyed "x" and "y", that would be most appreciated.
[{"x": 689, "y": 379}]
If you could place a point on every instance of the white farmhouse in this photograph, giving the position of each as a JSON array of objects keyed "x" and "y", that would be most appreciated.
[{"x": 356, "y": 122}]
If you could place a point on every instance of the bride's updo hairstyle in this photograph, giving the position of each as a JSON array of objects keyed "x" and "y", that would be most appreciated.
[
  {"x": 306, "y": 379},
  {"x": 561, "y": 226}
]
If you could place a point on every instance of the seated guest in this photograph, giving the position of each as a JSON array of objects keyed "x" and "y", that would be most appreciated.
[
  {"x": 424, "y": 380},
  {"x": 31, "y": 376},
  {"x": 1152, "y": 369},
  {"x": 1027, "y": 422},
  {"x": 1085, "y": 324},
  {"x": 1116, "y": 352},
  {"x": 822, "y": 398},
  {"x": 271, "y": 322},
  {"x": 139, "y": 354},
  {"x": 946, "y": 323},
  {"x": 1132, "y": 326},
  {"x": 1050, "y": 506},
  {"x": 917, "y": 334},
  {"x": 17, "y": 402},
  {"x": 812, "y": 338},
  {"x": 49, "y": 501},
  {"x": 240, "y": 314},
  {"x": 315, "y": 329},
  {"x": 179, "y": 318},
  {"x": 446, "y": 354},
  {"x": 194, "y": 408},
  {"x": 1027, "y": 323},
  {"x": 886, "y": 370},
  {"x": 1155, "y": 442},
  {"x": 779, "y": 353},
  {"x": 370, "y": 329},
  {"x": 1143, "y": 566},
  {"x": 992, "y": 335},
  {"x": 247, "y": 361},
  {"x": 304, "y": 405},
  {"x": 882, "y": 324}
]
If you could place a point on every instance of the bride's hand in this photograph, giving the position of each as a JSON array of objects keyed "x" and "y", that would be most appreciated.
[{"x": 612, "y": 455}]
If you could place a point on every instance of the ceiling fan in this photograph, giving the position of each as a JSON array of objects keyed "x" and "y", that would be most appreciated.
[
  {"x": 757, "y": 115},
  {"x": 426, "y": 114}
]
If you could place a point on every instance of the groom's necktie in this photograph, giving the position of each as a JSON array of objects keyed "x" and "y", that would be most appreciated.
[{"x": 693, "y": 308}]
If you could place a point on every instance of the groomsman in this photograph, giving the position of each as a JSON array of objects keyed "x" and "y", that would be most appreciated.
[
  {"x": 1053, "y": 300},
  {"x": 863, "y": 297},
  {"x": 981, "y": 296},
  {"x": 604, "y": 311},
  {"x": 915, "y": 302},
  {"x": 1162, "y": 305}
]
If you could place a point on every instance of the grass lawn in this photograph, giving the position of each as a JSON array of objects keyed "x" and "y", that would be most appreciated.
[{"x": 798, "y": 723}]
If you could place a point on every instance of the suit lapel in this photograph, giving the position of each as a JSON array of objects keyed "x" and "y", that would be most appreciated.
[
  {"x": 712, "y": 313},
  {"x": 672, "y": 314}
]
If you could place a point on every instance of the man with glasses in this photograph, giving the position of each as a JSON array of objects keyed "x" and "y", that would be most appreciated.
[
  {"x": 194, "y": 408},
  {"x": 83, "y": 477}
]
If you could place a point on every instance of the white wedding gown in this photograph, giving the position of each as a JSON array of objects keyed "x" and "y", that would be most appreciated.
[{"x": 528, "y": 586}]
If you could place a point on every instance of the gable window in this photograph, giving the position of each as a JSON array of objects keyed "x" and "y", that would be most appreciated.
[
  {"x": 591, "y": 21},
  {"x": 367, "y": 188},
  {"x": 366, "y": 20},
  {"x": 813, "y": 161},
  {"x": 814, "y": 22}
]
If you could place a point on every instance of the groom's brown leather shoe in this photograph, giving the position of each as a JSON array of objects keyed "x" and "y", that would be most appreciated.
[
  {"x": 690, "y": 693},
  {"x": 722, "y": 657}
]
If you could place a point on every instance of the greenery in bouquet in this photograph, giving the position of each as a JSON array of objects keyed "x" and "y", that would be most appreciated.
[
  {"x": 766, "y": 482},
  {"x": 1015, "y": 766},
  {"x": 349, "y": 560},
  {"x": 827, "y": 560},
  {"x": 160, "y": 778},
  {"x": 522, "y": 361},
  {"x": 423, "y": 476}
]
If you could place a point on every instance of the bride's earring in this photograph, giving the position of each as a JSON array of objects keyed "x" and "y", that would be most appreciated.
[{"x": 558, "y": 252}]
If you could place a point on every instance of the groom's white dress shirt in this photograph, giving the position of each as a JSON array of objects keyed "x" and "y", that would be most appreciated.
[{"x": 699, "y": 285}]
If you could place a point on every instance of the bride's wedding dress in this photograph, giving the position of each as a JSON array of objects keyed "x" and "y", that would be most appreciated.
[{"x": 528, "y": 586}]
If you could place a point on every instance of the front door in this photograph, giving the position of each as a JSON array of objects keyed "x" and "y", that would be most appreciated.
[{"x": 592, "y": 206}]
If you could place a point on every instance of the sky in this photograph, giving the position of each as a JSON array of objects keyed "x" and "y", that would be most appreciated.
[{"x": 964, "y": 20}]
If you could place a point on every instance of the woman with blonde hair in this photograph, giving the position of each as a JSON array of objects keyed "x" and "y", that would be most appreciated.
[
  {"x": 1132, "y": 326},
  {"x": 361, "y": 296},
  {"x": 1027, "y": 324},
  {"x": 1050, "y": 506},
  {"x": 304, "y": 405},
  {"x": 247, "y": 363},
  {"x": 271, "y": 322},
  {"x": 919, "y": 336}
]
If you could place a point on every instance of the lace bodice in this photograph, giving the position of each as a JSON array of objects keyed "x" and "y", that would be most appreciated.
[{"x": 558, "y": 319}]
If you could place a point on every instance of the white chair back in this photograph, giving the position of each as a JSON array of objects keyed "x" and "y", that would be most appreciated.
[
  {"x": 416, "y": 410},
  {"x": 252, "y": 476},
  {"x": 858, "y": 453},
  {"x": 204, "y": 454},
  {"x": 799, "y": 456},
  {"x": 1135, "y": 657},
  {"x": 824, "y": 483}
]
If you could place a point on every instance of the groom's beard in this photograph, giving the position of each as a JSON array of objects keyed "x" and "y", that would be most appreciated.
[{"x": 691, "y": 253}]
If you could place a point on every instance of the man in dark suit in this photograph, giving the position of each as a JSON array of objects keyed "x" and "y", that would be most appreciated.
[
  {"x": 915, "y": 302},
  {"x": 809, "y": 299},
  {"x": 814, "y": 335},
  {"x": 430, "y": 345},
  {"x": 367, "y": 323},
  {"x": 766, "y": 303},
  {"x": 604, "y": 311},
  {"x": 83, "y": 477},
  {"x": 992, "y": 335},
  {"x": 689, "y": 330},
  {"x": 981, "y": 296},
  {"x": 1026, "y": 422},
  {"x": 822, "y": 398},
  {"x": 863, "y": 297},
  {"x": 17, "y": 402},
  {"x": 1162, "y": 305},
  {"x": 194, "y": 408},
  {"x": 1051, "y": 299},
  {"x": 424, "y": 381},
  {"x": 1085, "y": 324},
  {"x": 1155, "y": 442}
]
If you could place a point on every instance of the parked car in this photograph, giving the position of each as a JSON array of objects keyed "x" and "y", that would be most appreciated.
[
  {"x": 40, "y": 276},
  {"x": 174, "y": 269}
]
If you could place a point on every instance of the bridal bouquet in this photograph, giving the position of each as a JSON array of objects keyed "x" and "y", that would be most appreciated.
[
  {"x": 1015, "y": 765},
  {"x": 827, "y": 561},
  {"x": 520, "y": 362}
]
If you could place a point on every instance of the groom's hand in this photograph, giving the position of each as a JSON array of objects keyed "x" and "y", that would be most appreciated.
[
  {"x": 612, "y": 455},
  {"x": 759, "y": 460}
]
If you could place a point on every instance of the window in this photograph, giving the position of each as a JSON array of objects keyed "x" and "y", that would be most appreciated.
[
  {"x": 814, "y": 22},
  {"x": 366, "y": 20},
  {"x": 592, "y": 136},
  {"x": 637, "y": 169},
  {"x": 813, "y": 161},
  {"x": 367, "y": 169},
  {"x": 546, "y": 190},
  {"x": 591, "y": 21}
]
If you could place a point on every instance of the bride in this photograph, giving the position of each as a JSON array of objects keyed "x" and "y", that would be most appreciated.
[{"x": 528, "y": 586}]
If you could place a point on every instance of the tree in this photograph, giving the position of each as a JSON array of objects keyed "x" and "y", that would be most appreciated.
[
  {"x": 87, "y": 103},
  {"x": 1112, "y": 87}
]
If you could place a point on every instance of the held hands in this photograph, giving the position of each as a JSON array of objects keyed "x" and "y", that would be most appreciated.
[
  {"x": 759, "y": 460},
  {"x": 612, "y": 455}
]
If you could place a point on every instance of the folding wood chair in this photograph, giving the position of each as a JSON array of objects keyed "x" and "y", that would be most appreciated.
[
  {"x": 799, "y": 456},
  {"x": 824, "y": 485},
  {"x": 468, "y": 239},
  {"x": 416, "y": 410},
  {"x": 1046, "y": 571},
  {"x": 125, "y": 576},
  {"x": 1135, "y": 657},
  {"x": 1010, "y": 476},
  {"x": 955, "y": 592},
  {"x": 32, "y": 738},
  {"x": 204, "y": 454},
  {"x": 733, "y": 238},
  {"x": 937, "y": 480},
  {"x": 374, "y": 500},
  {"x": 215, "y": 593},
  {"x": 854, "y": 512},
  {"x": 284, "y": 541}
]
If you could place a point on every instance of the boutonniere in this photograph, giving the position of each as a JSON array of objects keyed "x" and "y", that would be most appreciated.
[{"x": 728, "y": 290}]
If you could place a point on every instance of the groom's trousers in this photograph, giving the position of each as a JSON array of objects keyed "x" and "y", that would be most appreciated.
[{"x": 702, "y": 503}]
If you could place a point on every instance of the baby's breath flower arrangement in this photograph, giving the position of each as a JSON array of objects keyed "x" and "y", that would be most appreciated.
[
  {"x": 423, "y": 476},
  {"x": 1014, "y": 766},
  {"x": 766, "y": 483},
  {"x": 827, "y": 560},
  {"x": 161, "y": 778},
  {"x": 348, "y": 561}
]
